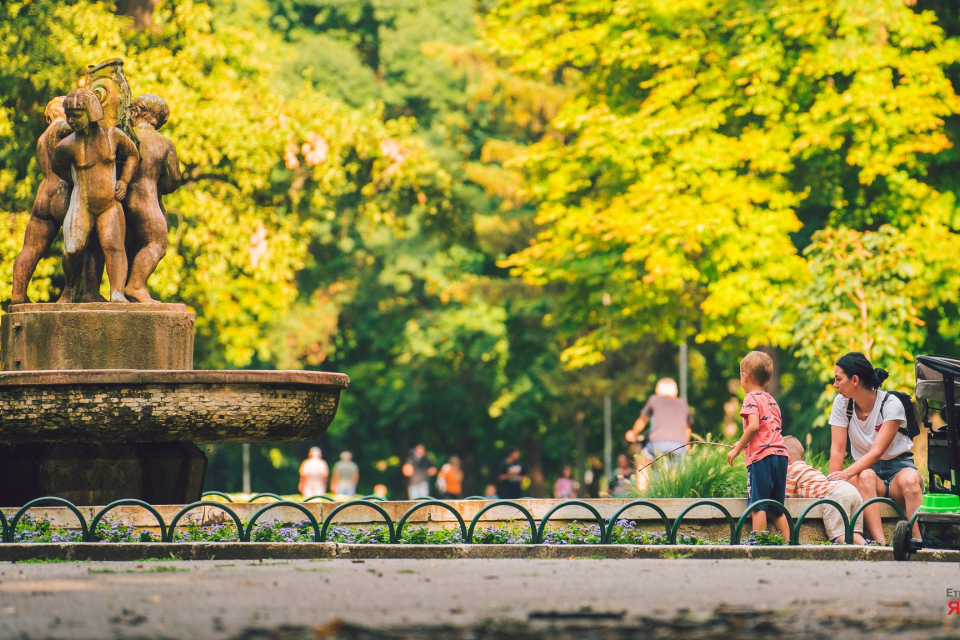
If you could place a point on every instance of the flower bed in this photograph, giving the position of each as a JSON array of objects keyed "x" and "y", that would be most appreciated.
[{"x": 36, "y": 530}]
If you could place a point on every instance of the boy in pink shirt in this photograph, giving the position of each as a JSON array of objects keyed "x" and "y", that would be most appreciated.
[{"x": 762, "y": 443}]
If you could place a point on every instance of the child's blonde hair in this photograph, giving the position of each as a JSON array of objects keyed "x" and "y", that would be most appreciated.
[
  {"x": 759, "y": 366},
  {"x": 794, "y": 448}
]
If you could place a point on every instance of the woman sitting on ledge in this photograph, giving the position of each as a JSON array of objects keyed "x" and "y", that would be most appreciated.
[{"x": 884, "y": 463}]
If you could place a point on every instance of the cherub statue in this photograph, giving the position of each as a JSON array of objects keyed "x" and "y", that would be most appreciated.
[
  {"x": 107, "y": 81},
  {"x": 49, "y": 207},
  {"x": 86, "y": 159},
  {"x": 159, "y": 174}
]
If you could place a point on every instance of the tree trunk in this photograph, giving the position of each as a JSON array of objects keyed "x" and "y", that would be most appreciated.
[
  {"x": 140, "y": 10},
  {"x": 468, "y": 463},
  {"x": 773, "y": 387},
  {"x": 581, "y": 444},
  {"x": 535, "y": 468}
]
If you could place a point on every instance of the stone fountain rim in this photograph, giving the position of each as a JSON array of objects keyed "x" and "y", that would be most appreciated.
[
  {"x": 77, "y": 307},
  {"x": 99, "y": 377}
]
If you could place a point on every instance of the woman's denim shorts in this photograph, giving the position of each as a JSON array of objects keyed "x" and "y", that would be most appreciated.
[{"x": 887, "y": 470}]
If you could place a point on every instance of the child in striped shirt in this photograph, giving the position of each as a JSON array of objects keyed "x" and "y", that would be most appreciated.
[{"x": 803, "y": 481}]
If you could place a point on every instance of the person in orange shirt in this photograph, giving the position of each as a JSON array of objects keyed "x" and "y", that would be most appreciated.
[
  {"x": 803, "y": 481},
  {"x": 450, "y": 478}
]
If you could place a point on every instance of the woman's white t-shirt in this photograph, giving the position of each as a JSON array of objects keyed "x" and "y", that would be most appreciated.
[{"x": 862, "y": 434}]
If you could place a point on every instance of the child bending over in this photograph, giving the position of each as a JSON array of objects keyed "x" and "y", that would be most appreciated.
[{"x": 803, "y": 481}]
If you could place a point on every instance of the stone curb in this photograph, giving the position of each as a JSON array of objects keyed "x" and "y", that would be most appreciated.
[{"x": 117, "y": 552}]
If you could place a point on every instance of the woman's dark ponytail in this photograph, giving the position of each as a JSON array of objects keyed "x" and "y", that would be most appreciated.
[
  {"x": 856, "y": 364},
  {"x": 879, "y": 375}
]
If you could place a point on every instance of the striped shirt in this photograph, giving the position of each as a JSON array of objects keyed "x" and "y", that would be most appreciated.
[{"x": 803, "y": 481}]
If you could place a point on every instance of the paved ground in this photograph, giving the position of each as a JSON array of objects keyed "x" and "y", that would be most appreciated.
[{"x": 344, "y": 599}]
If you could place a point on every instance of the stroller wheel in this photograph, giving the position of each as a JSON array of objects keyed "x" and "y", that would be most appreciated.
[{"x": 901, "y": 541}]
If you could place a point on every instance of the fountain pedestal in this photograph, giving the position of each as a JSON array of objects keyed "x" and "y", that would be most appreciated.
[
  {"x": 57, "y": 337},
  {"x": 97, "y": 468},
  {"x": 93, "y": 435}
]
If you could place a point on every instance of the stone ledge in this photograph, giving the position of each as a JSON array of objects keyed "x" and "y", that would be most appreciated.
[
  {"x": 109, "y": 552},
  {"x": 52, "y": 307}
]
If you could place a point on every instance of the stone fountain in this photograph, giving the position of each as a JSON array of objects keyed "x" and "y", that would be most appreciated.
[{"x": 99, "y": 399}]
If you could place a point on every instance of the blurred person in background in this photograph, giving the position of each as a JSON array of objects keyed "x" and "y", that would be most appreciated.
[
  {"x": 346, "y": 475},
  {"x": 490, "y": 492},
  {"x": 623, "y": 477},
  {"x": 592, "y": 477},
  {"x": 510, "y": 477},
  {"x": 380, "y": 490},
  {"x": 671, "y": 420},
  {"x": 565, "y": 486},
  {"x": 450, "y": 478},
  {"x": 419, "y": 468},
  {"x": 313, "y": 474}
]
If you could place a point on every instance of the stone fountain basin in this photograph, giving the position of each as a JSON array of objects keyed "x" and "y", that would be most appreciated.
[{"x": 205, "y": 407}]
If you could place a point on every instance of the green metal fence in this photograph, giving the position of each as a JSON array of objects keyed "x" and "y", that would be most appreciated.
[{"x": 88, "y": 531}]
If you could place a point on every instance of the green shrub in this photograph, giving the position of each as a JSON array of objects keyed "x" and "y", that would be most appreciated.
[{"x": 702, "y": 472}]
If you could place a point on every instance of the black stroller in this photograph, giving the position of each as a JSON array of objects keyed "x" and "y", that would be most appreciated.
[{"x": 938, "y": 388}]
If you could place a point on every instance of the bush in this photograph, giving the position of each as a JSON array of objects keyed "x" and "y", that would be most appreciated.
[
  {"x": 111, "y": 531},
  {"x": 702, "y": 473},
  {"x": 359, "y": 535},
  {"x": 30, "y": 529},
  {"x": 509, "y": 533},
  {"x": 423, "y": 535},
  {"x": 763, "y": 539},
  {"x": 210, "y": 533},
  {"x": 573, "y": 533},
  {"x": 275, "y": 531}
]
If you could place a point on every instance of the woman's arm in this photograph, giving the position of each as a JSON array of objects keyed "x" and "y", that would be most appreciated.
[
  {"x": 838, "y": 448},
  {"x": 880, "y": 444}
]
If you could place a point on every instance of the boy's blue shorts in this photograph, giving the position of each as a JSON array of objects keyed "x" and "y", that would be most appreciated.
[{"x": 767, "y": 480}]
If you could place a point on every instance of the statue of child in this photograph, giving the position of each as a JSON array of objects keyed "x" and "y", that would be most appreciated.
[
  {"x": 86, "y": 159},
  {"x": 49, "y": 207},
  {"x": 159, "y": 174}
]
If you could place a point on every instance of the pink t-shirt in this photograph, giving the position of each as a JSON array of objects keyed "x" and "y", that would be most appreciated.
[{"x": 768, "y": 441}]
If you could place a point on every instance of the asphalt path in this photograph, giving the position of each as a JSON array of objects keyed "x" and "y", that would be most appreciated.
[{"x": 348, "y": 599}]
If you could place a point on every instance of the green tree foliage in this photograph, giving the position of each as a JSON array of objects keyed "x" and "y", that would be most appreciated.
[
  {"x": 262, "y": 172},
  {"x": 711, "y": 142}
]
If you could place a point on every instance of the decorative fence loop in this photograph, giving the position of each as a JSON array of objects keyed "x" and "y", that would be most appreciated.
[
  {"x": 3, "y": 527},
  {"x": 867, "y": 503},
  {"x": 753, "y": 507},
  {"x": 734, "y": 531},
  {"x": 847, "y": 526},
  {"x": 503, "y": 503},
  {"x": 172, "y": 528},
  {"x": 630, "y": 505},
  {"x": 427, "y": 503},
  {"x": 563, "y": 505},
  {"x": 218, "y": 494},
  {"x": 358, "y": 503},
  {"x": 265, "y": 495},
  {"x": 282, "y": 503},
  {"x": 48, "y": 501},
  {"x": 320, "y": 497},
  {"x": 373, "y": 497},
  {"x": 477, "y": 498},
  {"x": 126, "y": 502}
]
